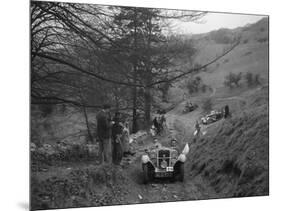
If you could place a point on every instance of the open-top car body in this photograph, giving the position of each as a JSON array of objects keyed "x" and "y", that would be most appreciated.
[
  {"x": 189, "y": 107},
  {"x": 213, "y": 116},
  {"x": 163, "y": 162}
]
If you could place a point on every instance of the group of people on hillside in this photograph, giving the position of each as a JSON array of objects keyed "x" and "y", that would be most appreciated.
[
  {"x": 113, "y": 136},
  {"x": 158, "y": 123}
]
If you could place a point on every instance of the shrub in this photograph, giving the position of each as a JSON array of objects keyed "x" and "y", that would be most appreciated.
[
  {"x": 195, "y": 85},
  {"x": 249, "y": 78},
  {"x": 257, "y": 79},
  {"x": 252, "y": 80},
  {"x": 232, "y": 79},
  {"x": 261, "y": 40}
]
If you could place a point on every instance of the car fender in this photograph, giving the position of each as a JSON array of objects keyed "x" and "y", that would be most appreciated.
[{"x": 182, "y": 158}]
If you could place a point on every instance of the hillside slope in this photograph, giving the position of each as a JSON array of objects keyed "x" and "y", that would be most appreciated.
[
  {"x": 234, "y": 155},
  {"x": 251, "y": 55}
]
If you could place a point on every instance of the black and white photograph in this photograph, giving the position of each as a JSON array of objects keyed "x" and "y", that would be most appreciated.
[{"x": 135, "y": 105}]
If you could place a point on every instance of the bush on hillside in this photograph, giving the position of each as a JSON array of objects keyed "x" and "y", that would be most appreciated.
[
  {"x": 232, "y": 80},
  {"x": 249, "y": 78},
  {"x": 194, "y": 85},
  {"x": 257, "y": 79},
  {"x": 252, "y": 79},
  {"x": 261, "y": 40}
]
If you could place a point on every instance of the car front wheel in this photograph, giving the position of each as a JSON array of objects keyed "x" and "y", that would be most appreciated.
[{"x": 181, "y": 172}]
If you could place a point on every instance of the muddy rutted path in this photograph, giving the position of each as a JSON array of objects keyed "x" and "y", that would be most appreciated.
[
  {"x": 193, "y": 188},
  {"x": 230, "y": 160},
  {"x": 211, "y": 169}
]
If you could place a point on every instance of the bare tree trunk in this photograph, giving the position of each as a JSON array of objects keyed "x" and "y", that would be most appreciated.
[
  {"x": 147, "y": 105},
  {"x": 116, "y": 103},
  {"x": 87, "y": 124},
  {"x": 134, "y": 126},
  {"x": 147, "y": 91},
  {"x": 86, "y": 117}
]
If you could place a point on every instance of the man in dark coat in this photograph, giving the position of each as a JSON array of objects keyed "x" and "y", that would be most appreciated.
[
  {"x": 104, "y": 134},
  {"x": 156, "y": 125},
  {"x": 117, "y": 149},
  {"x": 226, "y": 111}
]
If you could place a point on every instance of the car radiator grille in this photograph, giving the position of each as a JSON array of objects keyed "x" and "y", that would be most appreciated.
[{"x": 163, "y": 155}]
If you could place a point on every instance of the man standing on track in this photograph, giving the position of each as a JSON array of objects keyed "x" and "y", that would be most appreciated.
[
  {"x": 117, "y": 148},
  {"x": 104, "y": 134},
  {"x": 197, "y": 129}
]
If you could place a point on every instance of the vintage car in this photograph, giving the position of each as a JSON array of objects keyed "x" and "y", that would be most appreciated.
[
  {"x": 163, "y": 162},
  {"x": 189, "y": 107},
  {"x": 213, "y": 116}
]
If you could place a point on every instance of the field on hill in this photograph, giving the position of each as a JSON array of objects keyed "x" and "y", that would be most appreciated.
[{"x": 251, "y": 55}]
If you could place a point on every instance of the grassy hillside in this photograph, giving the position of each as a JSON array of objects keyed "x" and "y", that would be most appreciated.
[
  {"x": 233, "y": 156},
  {"x": 250, "y": 56}
]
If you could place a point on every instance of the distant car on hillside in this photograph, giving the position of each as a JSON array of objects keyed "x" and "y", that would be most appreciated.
[
  {"x": 189, "y": 107},
  {"x": 213, "y": 116}
]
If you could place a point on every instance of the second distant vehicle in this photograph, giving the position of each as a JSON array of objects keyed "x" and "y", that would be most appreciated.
[
  {"x": 189, "y": 107},
  {"x": 213, "y": 116}
]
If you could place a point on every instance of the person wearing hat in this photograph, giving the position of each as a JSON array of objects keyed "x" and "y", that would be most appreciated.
[
  {"x": 197, "y": 131},
  {"x": 104, "y": 125},
  {"x": 174, "y": 144},
  {"x": 156, "y": 125},
  {"x": 117, "y": 149},
  {"x": 126, "y": 141}
]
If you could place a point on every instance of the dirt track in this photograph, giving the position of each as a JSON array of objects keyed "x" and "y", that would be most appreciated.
[{"x": 193, "y": 188}]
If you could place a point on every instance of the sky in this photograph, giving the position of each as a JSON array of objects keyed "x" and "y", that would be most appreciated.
[{"x": 214, "y": 21}]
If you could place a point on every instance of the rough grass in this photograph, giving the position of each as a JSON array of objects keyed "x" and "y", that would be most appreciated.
[
  {"x": 233, "y": 156},
  {"x": 90, "y": 186}
]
